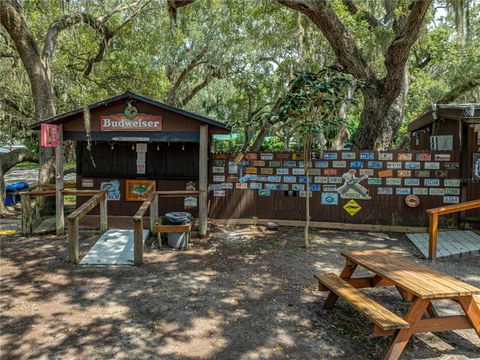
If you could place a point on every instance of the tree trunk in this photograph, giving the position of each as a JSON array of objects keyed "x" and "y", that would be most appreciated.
[
  {"x": 42, "y": 92},
  {"x": 342, "y": 129},
  {"x": 380, "y": 120}
]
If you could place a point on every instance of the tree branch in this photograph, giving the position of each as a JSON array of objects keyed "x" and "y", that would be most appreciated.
[
  {"x": 371, "y": 20},
  {"x": 11, "y": 103},
  {"x": 460, "y": 89},
  {"x": 398, "y": 51},
  {"x": 340, "y": 39},
  {"x": 170, "y": 97}
]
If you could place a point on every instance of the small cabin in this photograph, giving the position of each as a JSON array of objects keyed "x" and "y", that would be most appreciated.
[
  {"x": 130, "y": 145},
  {"x": 453, "y": 127}
]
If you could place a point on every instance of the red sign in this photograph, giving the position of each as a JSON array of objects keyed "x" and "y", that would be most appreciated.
[
  {"x": 49, "y": 135},
  {"x": 141, "y": 122}
]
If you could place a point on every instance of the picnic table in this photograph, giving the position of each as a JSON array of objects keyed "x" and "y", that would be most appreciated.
[{"x": 416, "y": 283}]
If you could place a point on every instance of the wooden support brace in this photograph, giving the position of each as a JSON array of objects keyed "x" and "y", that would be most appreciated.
[
  {"x": 103, "y": 214},
  {"x": 73, "y": 248},
  {"x": 445, "y": 323},
  {"x": 59, "y": 203},
  {"x": 154, "y": 214},
  {"x": 203, "y": 180},
  {"x": 433, "y": 234},
  {"x": 138, "y": 241},
  {"x": 26, "y": 202}
]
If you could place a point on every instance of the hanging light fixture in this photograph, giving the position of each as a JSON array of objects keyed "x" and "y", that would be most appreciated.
[
  {"x": 133, "y": 146},
  {"x": 158, "y": 147},
  {"x": 183, "y": 146}
]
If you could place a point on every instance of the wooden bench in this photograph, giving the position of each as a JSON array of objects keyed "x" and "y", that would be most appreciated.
[
  {"x": 187, "y": 228},
  {"x": 372, "y": 310}
]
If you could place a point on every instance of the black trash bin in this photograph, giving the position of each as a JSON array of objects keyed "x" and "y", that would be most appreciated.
[{"x": 177, "y": 240}]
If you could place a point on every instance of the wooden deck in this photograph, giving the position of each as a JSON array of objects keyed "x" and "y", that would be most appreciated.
[{"x": 450, "y": 243}]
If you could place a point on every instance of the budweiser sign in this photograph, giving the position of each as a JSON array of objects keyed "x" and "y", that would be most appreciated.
[{"x": 120, "y": 122}]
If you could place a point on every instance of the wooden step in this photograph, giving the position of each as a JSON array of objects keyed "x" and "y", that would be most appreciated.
[{"x": 375, "y": 312}]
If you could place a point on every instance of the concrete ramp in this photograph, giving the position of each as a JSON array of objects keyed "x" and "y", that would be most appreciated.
[
  {"x": 449, "y": 243},
  {"x": 114, "y": 247}
]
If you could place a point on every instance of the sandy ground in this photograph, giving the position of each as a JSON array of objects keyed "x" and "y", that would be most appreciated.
[{"x": 243, "y": 293}]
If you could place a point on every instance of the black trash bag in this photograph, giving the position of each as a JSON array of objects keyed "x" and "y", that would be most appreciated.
[{"x": 177, "y": 218}]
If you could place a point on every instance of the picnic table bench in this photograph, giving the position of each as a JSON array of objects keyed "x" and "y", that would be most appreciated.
[{"x": 416, "y": 283}]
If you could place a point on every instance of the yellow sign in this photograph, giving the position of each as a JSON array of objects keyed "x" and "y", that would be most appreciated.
[{"x": 352, "y": 207}]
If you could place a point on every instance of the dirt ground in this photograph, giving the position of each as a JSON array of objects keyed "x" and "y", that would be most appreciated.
[{"x": 243, "y": 293}]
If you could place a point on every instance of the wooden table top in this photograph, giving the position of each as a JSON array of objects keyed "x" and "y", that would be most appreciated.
[{"x": 418, "y": 279}]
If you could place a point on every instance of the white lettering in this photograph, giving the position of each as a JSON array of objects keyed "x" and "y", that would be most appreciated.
[{"x": 107, "y": 122}]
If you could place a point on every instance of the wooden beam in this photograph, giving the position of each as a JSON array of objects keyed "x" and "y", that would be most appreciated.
[
  {"x": 445, "y": 323},
  {"x": 177, "y": 193},
  {"x": 203, "y": 180},
  {"x": 362, "y": 282},
  {"x": 73, "y": 248},
  {"x": 80, "y": 192},
  {"x": 449, "y": 209},
  {"x": 59, "y": 203},
  {"x": 432, "y": 236},
  {"x": 154, "y": 214},
  {"x": 26, "y": 202},
  {"x": 322, "y": 225},
  {"x": 173, "y": 228},
  {"x": 87, "y": 206},
  {"x": 103, "y": 213},
  {"x": 138, "y": 241}
]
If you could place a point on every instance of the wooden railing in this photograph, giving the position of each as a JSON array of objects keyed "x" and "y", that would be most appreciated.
[
  {"x": 151, "y": 202},
  {"x": 433, "y": 215},
  {"x": 99, "y": 197},
  {"x": 26, "y": 198}
]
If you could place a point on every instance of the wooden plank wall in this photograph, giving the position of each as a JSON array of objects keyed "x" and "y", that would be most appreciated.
[{"x": 238, "y": 203}]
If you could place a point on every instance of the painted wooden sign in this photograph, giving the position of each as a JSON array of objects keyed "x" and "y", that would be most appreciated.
[
  {"x": 141, "y": 122},
  {"x": 49, "y": 135}
]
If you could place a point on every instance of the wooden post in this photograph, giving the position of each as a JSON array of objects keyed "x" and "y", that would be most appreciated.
[
  {"x": 138, "y": 241},
  {"x": 203, "y": 180},
  {"x": 433, "y": 233},
  {"x": 59, "y": 212},
  {"x": 103, "y": 214},
  {"x": 154, "y": 214},
  {"x": 26, "y": 202},
  {"x": 73, "y": 250}
]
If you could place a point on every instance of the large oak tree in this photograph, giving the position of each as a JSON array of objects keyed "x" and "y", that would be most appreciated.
[
  {"x": 38, "y": 63},
  {"x": 385, "y": 94}
]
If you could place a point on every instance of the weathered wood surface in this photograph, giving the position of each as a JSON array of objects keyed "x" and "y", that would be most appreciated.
[
  {"x": 154, "y": 214},
  {"x": 177, "y": 193},
  {"x": 26, "y": 202},
  {"x": 75, "y": 217},
  {"x": 418, "y": 284},
  {"x": 413, "y": 277},
  {"x": 138, "y": 241},
  {"x": 380, "y": 316},
  {"x": 59, "y": 203},
  {"x": 433, "y": 215},
  {"x": 73, "y": 247},
  {"x": 173, "y": 228},
  {"x": 203, "y": 181}
]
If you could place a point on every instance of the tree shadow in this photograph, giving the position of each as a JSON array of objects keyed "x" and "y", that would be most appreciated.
[{"x": 241, "y": 294}]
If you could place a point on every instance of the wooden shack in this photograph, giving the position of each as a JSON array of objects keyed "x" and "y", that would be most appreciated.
[
  {"x": 130, "y": 145},
  {"x": 453, "y": 127}
]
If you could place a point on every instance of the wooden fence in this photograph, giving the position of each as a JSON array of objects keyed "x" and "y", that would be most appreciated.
[{"x": 272, "y": 186}]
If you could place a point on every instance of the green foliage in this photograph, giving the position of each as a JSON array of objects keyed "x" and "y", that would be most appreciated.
[{"x": 255, "y": 53}]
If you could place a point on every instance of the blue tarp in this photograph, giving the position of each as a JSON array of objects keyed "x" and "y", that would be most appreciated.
[{"x": 12, "y": 198}]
